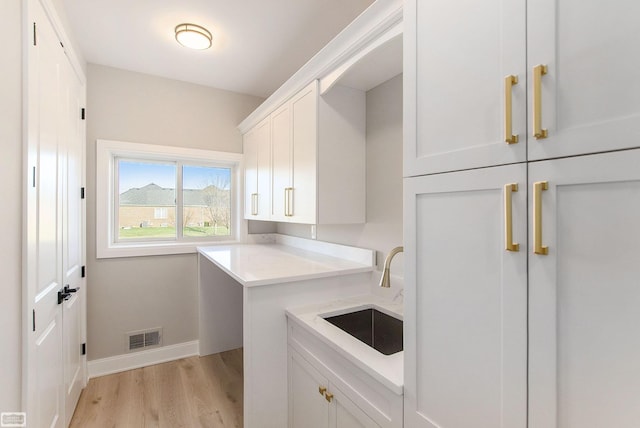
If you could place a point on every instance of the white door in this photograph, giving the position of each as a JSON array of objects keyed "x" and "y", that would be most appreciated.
[
  {"x": 308, "y": 407},
  {"x": 590, "y": 98},
  {"x": 466, "y": 299},
  {"x": 54, "y": 373},
  {"x": 281, "y": 148},
  {"x": 584, "y": 317},
  {"x": 304, "y": 119},
  {"x": 72, "y": 175},
  {"x": 44, "y": 374},
  {"x": 457, "y": 55}
]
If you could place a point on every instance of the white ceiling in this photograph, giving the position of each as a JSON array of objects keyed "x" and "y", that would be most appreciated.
[{"x": 257, "y": 46}]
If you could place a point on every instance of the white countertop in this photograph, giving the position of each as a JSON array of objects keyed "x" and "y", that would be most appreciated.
[
  {"x": 287, "y": 259},
  {"x": 387, "y": 369}
]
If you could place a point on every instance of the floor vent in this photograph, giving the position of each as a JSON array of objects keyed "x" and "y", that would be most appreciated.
[{"x": 142, "y": 339}]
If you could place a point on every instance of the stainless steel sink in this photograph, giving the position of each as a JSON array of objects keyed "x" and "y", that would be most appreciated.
[{"x": 373, "y": 327}]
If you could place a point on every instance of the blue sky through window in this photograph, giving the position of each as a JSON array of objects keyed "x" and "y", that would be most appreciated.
[{"x": 139, "y": 174}]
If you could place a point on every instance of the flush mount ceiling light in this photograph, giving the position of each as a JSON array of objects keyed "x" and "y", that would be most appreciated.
[{"x": 193, "y": 36}]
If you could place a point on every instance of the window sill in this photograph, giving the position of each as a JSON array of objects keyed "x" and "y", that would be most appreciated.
[{"x": 141, "y": 249}]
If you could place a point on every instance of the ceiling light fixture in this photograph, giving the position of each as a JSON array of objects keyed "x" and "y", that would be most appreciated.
[{"x": 193, "y": 36}]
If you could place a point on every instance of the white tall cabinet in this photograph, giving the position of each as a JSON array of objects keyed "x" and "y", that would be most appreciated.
[
  {"x": 471, "y": 72},
  {"x": 542, "y": 334},
  {"x": 590, "y": 101},
  {"x": 584, "y": 295},
  {"x": 465, "y": 300}
]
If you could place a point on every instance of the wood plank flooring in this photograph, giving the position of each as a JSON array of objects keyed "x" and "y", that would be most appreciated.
[{"x": 191, "y": 392}]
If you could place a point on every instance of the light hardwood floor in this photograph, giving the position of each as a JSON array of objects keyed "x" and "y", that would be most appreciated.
[{"x": 191, "y": 392}]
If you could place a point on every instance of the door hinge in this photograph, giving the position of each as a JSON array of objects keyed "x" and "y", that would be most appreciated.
[
  {"x": 83, "y": 349},
  {"x": 82, "y": 193},
  {"x": 34, "y": 320},
  {"x": 82, "y": 113},
  {"x": 35, "y": 42},
  {"x": 83, "y": 272},
  {"x": 34, "y": 177}
]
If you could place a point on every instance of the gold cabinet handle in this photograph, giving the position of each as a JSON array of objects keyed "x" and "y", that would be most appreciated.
[
  {"x": 509, "y": 81},
  {"x": 509, "y": 245},
  {"x": 538, "y": 188},
  {"x": 328, "y": 396},
  {"x": 322, "y": 390},
  {"x": 288, "y": 201},
  {"x": 254, "y": 204},
  {"x": 538, "y": 71}
]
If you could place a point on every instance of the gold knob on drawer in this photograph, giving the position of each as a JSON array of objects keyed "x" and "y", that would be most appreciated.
[
  {"x": 322, "y": 390},
  {"x": 328, "y": 396}
]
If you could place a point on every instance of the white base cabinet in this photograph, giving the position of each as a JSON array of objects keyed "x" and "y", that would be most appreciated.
[
  {"x": 328, "y": 391},
  {"x": 315, "y": 402}
]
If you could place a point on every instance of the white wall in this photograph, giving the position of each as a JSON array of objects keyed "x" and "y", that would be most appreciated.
[
  {"x": 11, "y": 212},
  {"x": 383, "y": 228},
  {"x": 143, "y": 292}
]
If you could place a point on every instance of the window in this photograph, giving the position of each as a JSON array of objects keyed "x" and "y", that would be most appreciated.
[{"x": 163, "y": 200}]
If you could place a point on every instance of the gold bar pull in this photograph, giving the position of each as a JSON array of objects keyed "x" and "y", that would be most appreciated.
[
  {"x": 538, "y": 187},
  {"x": 328, "y": 396},
  {"x": 509, "y": 81},
  {"x": 286, "y": 201},
  {"x": 322, "y": 390},
  {"x": 538, "y": 72},
  {"x": 289, "y": 201},
  {"x": 254, "y": 204},
  {"x": 509, "y": 245}
]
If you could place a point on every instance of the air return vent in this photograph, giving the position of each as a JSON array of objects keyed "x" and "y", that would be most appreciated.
[{"x": 142, "y": 339}]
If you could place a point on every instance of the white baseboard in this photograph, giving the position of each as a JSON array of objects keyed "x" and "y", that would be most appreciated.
[{"x": 134, "y": 360}]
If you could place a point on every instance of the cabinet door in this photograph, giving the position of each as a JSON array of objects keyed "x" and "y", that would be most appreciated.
[
  {"x": 343, "y": 412},
  {"x": 466, "y": 300},
  {"x": 590, "y": 94},
  {"x": 281, "y": 147},
  {"x": 457, "y": 54},
  {"x": 308, "y": 407},
  {"x": 304, "y": 123},
  {"x": 257, "y": 159},
  {"x": 250, "y": 148},
  {"x": 584, "y": 345}
]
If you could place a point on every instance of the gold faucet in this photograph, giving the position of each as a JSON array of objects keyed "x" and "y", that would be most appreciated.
[{"x": 385, "y": 281}]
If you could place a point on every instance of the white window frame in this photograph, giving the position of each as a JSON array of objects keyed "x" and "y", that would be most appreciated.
[{"x": 107, "y": 153}]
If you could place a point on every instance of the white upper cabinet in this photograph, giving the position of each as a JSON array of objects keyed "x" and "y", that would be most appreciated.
[
  {"x": 590, "y": 96},
  {"x": 303, "y": 196},
  {"x": 318, "y": 124},
  {"x": 457, "y": 55},
  {"x": 281, "y": 162},
  {"x": 309, "y": 157},
  {"x": 257, "y": 153}
]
